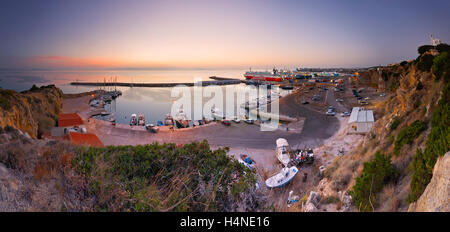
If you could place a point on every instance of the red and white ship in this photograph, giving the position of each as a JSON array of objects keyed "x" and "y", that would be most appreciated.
[{"x": 267, "y": 76}]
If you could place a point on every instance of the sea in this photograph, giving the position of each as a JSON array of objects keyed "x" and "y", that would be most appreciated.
[{"x": 154, "y": 103}]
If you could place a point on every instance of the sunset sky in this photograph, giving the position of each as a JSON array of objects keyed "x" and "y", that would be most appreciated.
[{"x": 85, "y": 34}]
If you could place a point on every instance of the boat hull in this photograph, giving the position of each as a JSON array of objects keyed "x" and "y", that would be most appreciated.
[{"x": 275, "y": 182}]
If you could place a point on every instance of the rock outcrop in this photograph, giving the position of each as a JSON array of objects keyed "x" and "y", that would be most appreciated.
[
  {"x": 30, "y": 111},
  {"x": 436, "y": 197}
]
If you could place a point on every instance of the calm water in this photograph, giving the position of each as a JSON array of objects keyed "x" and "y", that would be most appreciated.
[{"x": 154, "y": 103}]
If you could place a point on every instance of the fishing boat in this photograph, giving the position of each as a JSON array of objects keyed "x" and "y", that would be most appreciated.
[
  {"x": 195, "y": 123},
  {"x": 168, "y": 121},
  {"x": 247, "y": 161},
  {"x": 152, "y": 128},
  {"x": 282, "y": 151},
  {"x": 226, "y": 122},
  {"x": 133, "y": 120},
  {"x": 141, "y": 120},
  {"x": 182, "y": 120},
  {"x": 206, "y": 121},
  {"x": 282, "y": 178},
  {"x": 217, "y": 115},
  {"x": 249, "y": 121}
]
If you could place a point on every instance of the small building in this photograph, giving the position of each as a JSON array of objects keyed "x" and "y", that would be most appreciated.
[
  {"x": 69, "y": 120},
  {"x": 66, "y": 123},
  {"x": 85, "y": 139},
  {"x": 361, "y": 121}
]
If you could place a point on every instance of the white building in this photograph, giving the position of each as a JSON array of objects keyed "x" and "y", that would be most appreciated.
[{"x": 361, "y": 121}]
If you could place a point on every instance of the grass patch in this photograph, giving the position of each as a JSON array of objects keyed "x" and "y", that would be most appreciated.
[
  {"x": 376, "y": 174},
  {"x": 408, "y": 134}
]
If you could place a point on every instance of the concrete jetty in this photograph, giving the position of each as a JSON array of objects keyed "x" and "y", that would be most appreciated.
[{"x": 216, "y": 81}]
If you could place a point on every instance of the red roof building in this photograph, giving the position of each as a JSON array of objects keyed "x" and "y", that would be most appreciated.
[
  {"x": 85, "y": 139},
  {"x": 66, "y": 120}
]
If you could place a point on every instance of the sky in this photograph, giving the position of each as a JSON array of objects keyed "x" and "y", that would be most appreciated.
[{"x": 138, "y": 34}]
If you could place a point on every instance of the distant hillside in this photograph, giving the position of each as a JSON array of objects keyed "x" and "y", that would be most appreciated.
[{"x": 394, "y": 164}]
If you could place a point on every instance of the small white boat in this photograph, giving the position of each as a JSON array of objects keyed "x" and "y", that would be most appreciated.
[
  {"x": 236, "y": 119},
  {"x": 182, "y": 120},
  {"x": 282, "y": 151},
  {"x": 152, "y": 128},
  {"x": 282, "y": 178},
  {"x": 217, "y": 115},
  {"x": 141, "y": 120},
  {"x": 133, "y": 120},
  {"x": 168, "y": 121}
]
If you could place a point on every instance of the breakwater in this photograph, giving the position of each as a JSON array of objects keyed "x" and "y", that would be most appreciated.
[{"x": 215, "y": 81}]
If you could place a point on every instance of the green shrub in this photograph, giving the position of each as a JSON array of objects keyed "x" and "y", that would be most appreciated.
[
  {"x": 441, "y": 67},
  {"x": 5, "y": 96},
  {"x": 163, "y": 177},
  {"x": 395, "y": 124},
  {"x": 425, "y": 62},
  {"x": 437, "y": 144},
  {"x": 408, "y": 134},
  {"x": 376, "y": 174}
]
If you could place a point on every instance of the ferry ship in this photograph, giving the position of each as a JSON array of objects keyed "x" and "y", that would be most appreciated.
[{"x": 276, "y": 75}]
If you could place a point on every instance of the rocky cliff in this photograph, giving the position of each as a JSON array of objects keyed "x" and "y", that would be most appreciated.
[
  {"x": 436, "y": 195},
  {"x": 33, "y": 111},
  {"x": 411, "y": 130}
]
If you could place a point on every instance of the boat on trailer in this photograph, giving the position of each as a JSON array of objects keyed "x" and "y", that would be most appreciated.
[
  {"x": 282, "y": 151},
  {"x": 247, "y": 161},
  {"x": 282, "y": 178}
]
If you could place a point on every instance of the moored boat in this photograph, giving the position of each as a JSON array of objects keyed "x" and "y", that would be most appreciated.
[
  {"x": 226, "y": 122},
  {"x": 152, "y": 128},
  {"x": 141, "y": 120},
  {"x": 133, "y": 120},
  {"x": 168, "y": 121}
]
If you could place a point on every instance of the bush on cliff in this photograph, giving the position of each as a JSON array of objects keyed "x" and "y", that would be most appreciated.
[
  {"x": 376, "y": 174},
  {"x": 441, "y": 67},
  {"x": 163, "y": 177},
  {"x": 424, "y": 62},
  {"x": 408, "y": 134},
  {"x": 437, "y": 144}
]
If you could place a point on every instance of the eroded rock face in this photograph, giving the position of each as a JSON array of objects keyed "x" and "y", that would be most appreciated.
[
  {"x": 26, "y": 110},
  {"x": 312, "y": 202},
  {"x": 436, "y": 197}
]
